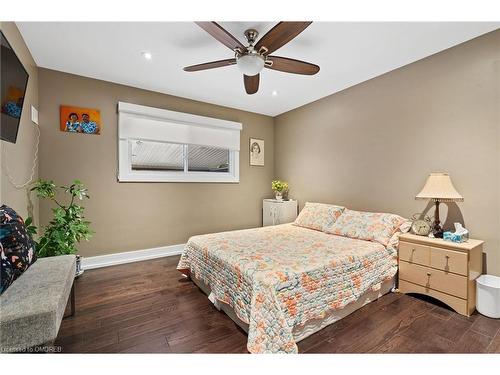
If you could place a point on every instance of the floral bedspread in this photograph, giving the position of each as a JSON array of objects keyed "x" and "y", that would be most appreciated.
[{"x": 279, "y": 277}]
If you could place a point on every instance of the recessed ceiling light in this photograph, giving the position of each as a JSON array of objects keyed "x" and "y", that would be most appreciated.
[
  {"x": 147, "y": 55},
  {"x": 274, "y": 93}
]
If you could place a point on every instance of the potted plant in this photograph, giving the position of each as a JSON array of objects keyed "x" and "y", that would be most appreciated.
[
  {"x": 280, "y": 189},
  {"x": 68, "y": 225}
]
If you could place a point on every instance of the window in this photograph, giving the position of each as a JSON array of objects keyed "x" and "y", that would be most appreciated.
[
  {"x": 160, "y": 145},
  {"x": 149, "y": 156},
  {"x": 207, "y": 159}
]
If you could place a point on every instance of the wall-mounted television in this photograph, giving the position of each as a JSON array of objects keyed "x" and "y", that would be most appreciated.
[{"x": 13, "y": 82}]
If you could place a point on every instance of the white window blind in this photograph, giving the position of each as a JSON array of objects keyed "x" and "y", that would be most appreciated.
[
  {"x": 161, "y": 145},
  {"x": 207, "y": 158},
  {"x": 165, "y": 156}
]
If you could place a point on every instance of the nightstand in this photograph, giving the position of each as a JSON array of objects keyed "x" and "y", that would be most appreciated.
[
  {"x": 441, "y": 269},
  {"x": 278, "y": 212}
]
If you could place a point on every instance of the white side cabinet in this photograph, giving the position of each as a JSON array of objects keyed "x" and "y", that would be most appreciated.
[{"x": 278, "y": 212}]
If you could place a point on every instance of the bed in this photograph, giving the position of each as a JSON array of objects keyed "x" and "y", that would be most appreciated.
[{"x": 283, "y": 283}]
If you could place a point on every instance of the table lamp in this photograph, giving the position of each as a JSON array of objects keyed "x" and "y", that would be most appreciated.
[{"x": 439, "y": 188}]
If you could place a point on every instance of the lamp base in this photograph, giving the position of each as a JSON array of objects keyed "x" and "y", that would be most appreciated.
[
  {"x": 438, "y": 233},
  {"x": 437, "y": 229}
]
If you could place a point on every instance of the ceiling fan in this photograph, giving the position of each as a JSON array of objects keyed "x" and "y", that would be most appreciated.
[{"x": 256, "y": 56}]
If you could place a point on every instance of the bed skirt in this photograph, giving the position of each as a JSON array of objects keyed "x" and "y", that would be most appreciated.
[{"x": 311, "y": 326}]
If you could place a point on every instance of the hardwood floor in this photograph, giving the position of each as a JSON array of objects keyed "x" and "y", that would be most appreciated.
[{"x": 147, "y": 307}]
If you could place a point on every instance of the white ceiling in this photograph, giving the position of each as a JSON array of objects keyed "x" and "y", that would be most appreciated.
[{"x": 348, "y": 53}]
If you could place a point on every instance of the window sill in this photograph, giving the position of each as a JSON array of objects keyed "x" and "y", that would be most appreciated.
[{"x": 147, "y": 177}]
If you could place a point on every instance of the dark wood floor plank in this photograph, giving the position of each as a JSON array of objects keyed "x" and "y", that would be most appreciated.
[
  {"x": 396, "y": 344},
  {"x": 209, "y": 340},
  {"x": 148, "y": 307},
  {"x": 375, "y": 328},
  {"x": 430, "y": 325},
  {"x": 335, "y": 329},
  {"x": 153, "y": 345},
  {"x": 494, "y": 346},
  {"x": 486, "y": 326},
  {"x": 442, "y": 313},
  {"x": 472, "y": 342},
  {"x": 148, "y": 343}
]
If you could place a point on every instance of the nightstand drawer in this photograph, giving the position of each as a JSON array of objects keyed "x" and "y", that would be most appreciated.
[
  {"x": 414, "y": 253},
  {"x": 449, "y": 260},
  {"x": 458, "y": 304},
  {"x": 455, "y": 285}
]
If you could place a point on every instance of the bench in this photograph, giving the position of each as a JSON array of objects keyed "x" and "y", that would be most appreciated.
[{"x": 32, "y": 308}]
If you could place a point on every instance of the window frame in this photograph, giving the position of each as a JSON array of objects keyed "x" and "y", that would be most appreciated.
[{"x": 127, "y": 174}]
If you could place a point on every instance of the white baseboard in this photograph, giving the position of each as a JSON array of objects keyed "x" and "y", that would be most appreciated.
[{"x": 99, "y": 261}]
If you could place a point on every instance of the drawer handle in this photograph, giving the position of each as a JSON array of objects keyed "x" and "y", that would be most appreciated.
[
  {"x": 428, "y": 280},
  {"x": 447, "y": 266},
  {"x": 411, "y": 256}
]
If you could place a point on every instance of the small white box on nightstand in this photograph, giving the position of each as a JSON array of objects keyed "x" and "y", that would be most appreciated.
[{"x": 276, "y": 212}]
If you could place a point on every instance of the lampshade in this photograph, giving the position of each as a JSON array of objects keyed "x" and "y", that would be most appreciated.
[
  {"x": 250, "y": 64},
  {"x": 438, "y": 187}
]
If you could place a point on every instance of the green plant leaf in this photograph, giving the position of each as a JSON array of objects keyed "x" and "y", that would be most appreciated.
[{"x": 67, "y": 227}]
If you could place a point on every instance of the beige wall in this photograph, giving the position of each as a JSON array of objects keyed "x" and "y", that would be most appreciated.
[
  {"x": 371, "y": 147},
  {"x": 132, "y": 216},
  {"x": 18, "y": 157}
]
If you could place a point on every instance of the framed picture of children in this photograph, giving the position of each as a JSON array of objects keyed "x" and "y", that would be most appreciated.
[{"x": 80, "y": 120}]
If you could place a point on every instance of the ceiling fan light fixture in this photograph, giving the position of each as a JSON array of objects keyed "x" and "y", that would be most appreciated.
[
  {"x": 250, "y": 64},
  {"x": 257, "y": 54}
]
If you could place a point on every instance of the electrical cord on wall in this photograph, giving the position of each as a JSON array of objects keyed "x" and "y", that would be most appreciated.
[{"x": 22, "y": 185}]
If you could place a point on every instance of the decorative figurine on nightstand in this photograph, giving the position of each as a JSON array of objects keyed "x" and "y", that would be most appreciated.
[
  {"x": 421, "y": 227},
  {"x": 439, "y": 188}
]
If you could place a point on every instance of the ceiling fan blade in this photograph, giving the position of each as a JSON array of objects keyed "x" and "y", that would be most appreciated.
[
  {"x": 284, "y": 64},
  {"x": 223, "y": 36},
  {"x": 251, "y": 83},
  {"x": 210, "y": 65},
  {"x": 280, "y": 35}
]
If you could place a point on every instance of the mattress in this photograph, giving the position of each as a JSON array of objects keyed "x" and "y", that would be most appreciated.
[{"x": 277, "y": 279}]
